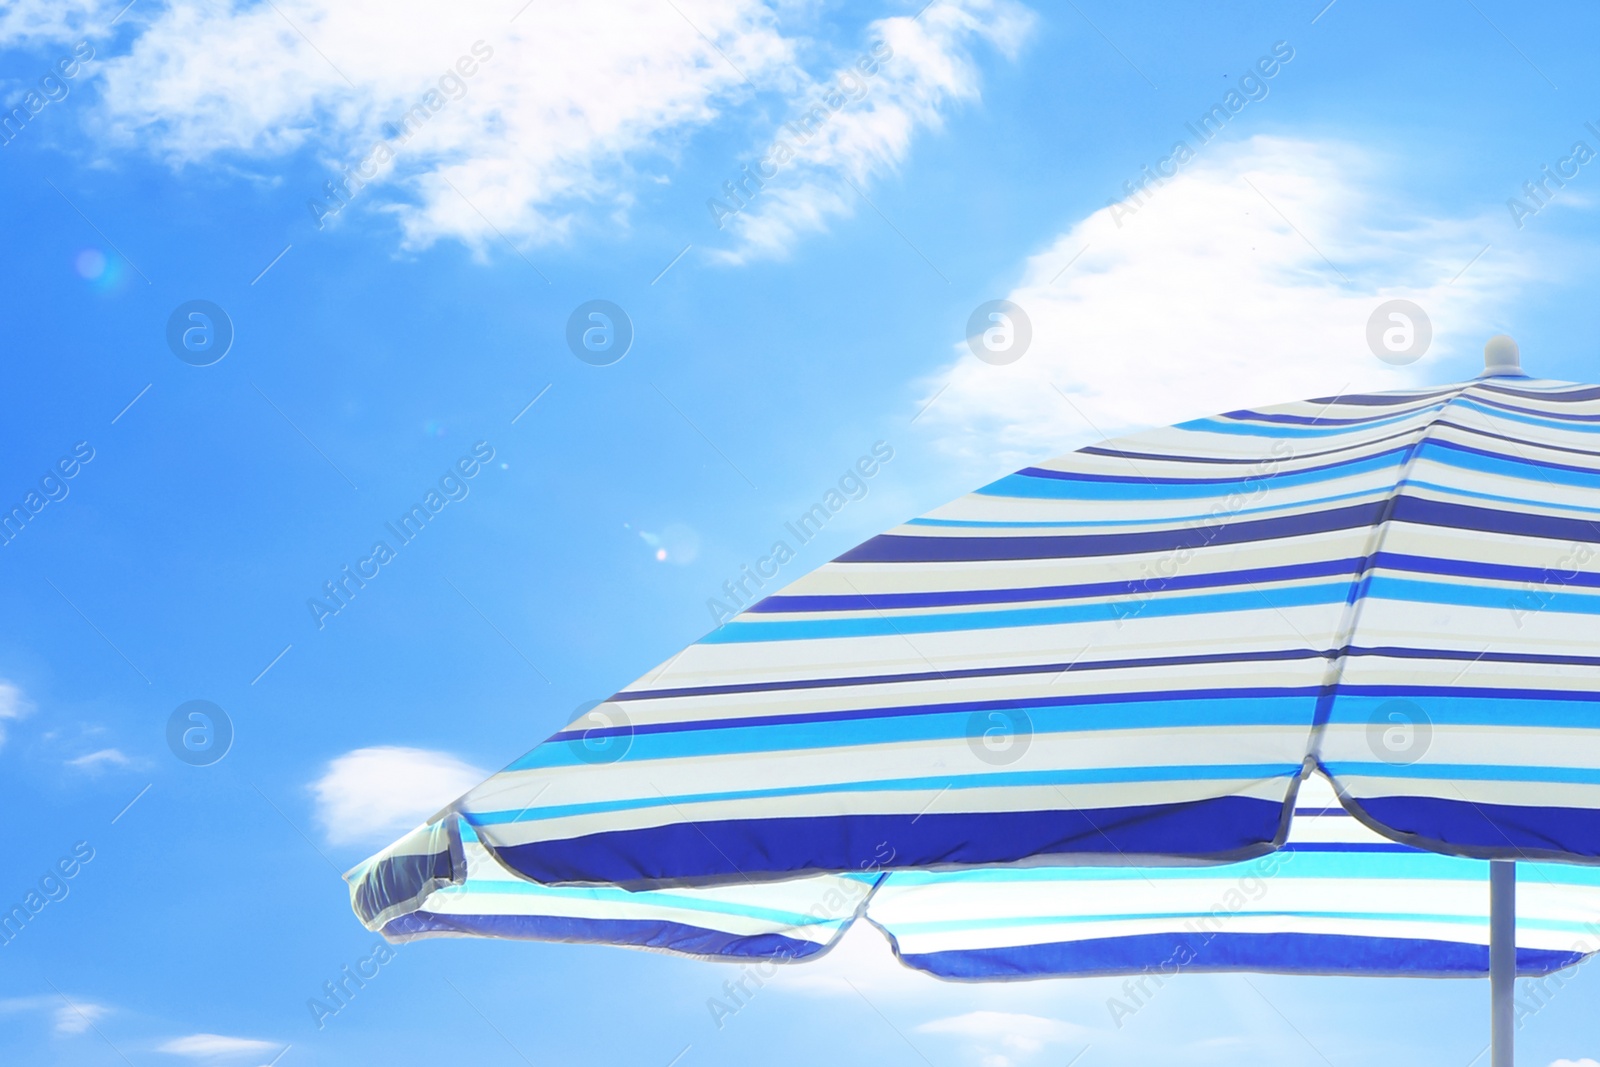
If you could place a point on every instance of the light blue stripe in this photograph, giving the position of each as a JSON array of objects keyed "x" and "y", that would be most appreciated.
[
  {"x": 744, "y": 629},
  {"x": 1033, "y": 487},
  {"x": 1511, "y": 467},
  {"x": 1253, "y": 772},
  {"x": 1249, "y": 429},
  {"x": 1531, "y": 420},
  {"x": 1380, "y": 920},
  {"x": 628, "y": 904},
  {"x": 1526, "y": 502},
  {"x": 1171, "y": 520},
  {"x": 1510, "y": 598},
  {"x": 1242, "y": 714},
  {"x": 1475, "y": 772}
]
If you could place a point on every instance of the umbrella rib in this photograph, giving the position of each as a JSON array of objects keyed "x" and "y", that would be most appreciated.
[{"x": 1352, "y": 619}]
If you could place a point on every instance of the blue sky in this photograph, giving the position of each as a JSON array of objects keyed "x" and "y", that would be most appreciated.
[{"x": 986, "y": 156}]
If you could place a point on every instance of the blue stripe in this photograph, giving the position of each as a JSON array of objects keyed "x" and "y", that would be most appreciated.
[
  {"x": 742, "y": 629},
  {"x": 1252, "y": 772},
  {"x": 1166, "y": 520},
  {"x": 1481, "y": 461},
  {"x": 1469, "y": 772},
  {"x": 1276, "y": 953},
  {"x": 900, "y": 548},
  {"x": 1044, "y": 483},
  {"x": 786, "y": 603},
  {"x": 846, "y": 681},
  {"x": 1241, "y": 709},
  {"x": 637, "y": 933},
  {"x": 1489, "y": 520},
  {"x": 1380, "y": 587},
  {"x": 1217, "y": 425},
  {"x": 1497, "y": 831},
  {"x": 1224, "y": 828}
]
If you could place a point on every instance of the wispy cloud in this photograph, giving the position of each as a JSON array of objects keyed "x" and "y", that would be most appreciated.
[
  {"x": 563, "y": 102},
  {"x": 823, "y": 159},
  {"x": 1003, "y": 1038},
  {"x": 371, "y": 795},
  {"x": 98, "y": 760},
  {"x": 1248, "y": 279},
  {"x": 14, "y": 704},
  {"x": 67, "y": 1016},
  {"x": 568, "y": 110},
  {"x": 208, "y": 1046}
]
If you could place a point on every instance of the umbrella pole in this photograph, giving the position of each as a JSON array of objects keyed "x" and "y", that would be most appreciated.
[{"x": 1502, "y": 960}]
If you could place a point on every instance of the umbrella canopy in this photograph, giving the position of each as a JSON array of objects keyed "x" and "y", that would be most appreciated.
[
  {"x": 1337, "y": 898},
  {"x": 1008, "y": 731}
]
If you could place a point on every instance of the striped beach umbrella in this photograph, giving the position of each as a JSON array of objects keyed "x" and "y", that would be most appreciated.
[{"x": 1309, "y": 688}]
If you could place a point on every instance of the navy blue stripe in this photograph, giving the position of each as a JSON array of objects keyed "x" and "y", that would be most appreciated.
[
  {"x": 638, "y": 933},
  {"x": 1519, "y": 441},
  {"x": 401, "y": 879},
  {"x": 1262, "y": 656},
  {"x": 1545, "y": 658},
  {"x": 1259, "y": 656},
  {"x": 1491, "y": 520},
  {"x": 780, "y": 602},
  {"x": 1160, "y": 955},
  {"x": 1220, "y": 829},
  {"x": 1118, "y": 453},
  {"x": 1554, "y": 416},
  {"x": 1380, "y": 400},
  {"x": 1214, "y": 717},
  {"x": 1490, "y": 831},
  {"x": 1398, "y": 561},
  {"x": 1501, "y": 457},
  {"x": 1080, "y": 476},
  {"x": 1092, "y": 699},
  {"x": 1496, "y": 572},
  {"x": 1251, "y": 415},
  {"x": 1577, "y": 394},
  {"x": 900, "y": 548}
]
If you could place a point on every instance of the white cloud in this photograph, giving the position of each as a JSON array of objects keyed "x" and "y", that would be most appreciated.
[
  {"x": 571, "y": 108},
  {"x": 94, "y": 761},
  {"x": 1206, "y": 299},
  {"x": 1001, "y": 1038},
  {"x": 67, "y": 1016},
  {"x": 28, "y": 23},
  {"x": 372, "y": 795},
  {"x": 928, "y": 67},
  {"x": 14, "y": 704},
  {"x": 208, "y": 1045},
  {"x": 1585, "y": 1062},
  {"x": 78, "y": 1017}
]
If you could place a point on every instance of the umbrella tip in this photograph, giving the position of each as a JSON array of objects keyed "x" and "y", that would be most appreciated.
[{"x": 1501, "y": 357}]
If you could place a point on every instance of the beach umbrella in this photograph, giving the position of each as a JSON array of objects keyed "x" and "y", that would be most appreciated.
[{"x": 1078, "y": 722}]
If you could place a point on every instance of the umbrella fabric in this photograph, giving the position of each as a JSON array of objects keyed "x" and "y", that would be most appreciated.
[
  {"x": 1336, "y": 899},
  {"x": 1128, "y": 654},
  {"x": 439, "y": 881}
]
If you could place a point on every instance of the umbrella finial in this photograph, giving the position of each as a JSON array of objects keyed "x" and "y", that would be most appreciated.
[{"x": 1501, "y": 357}]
